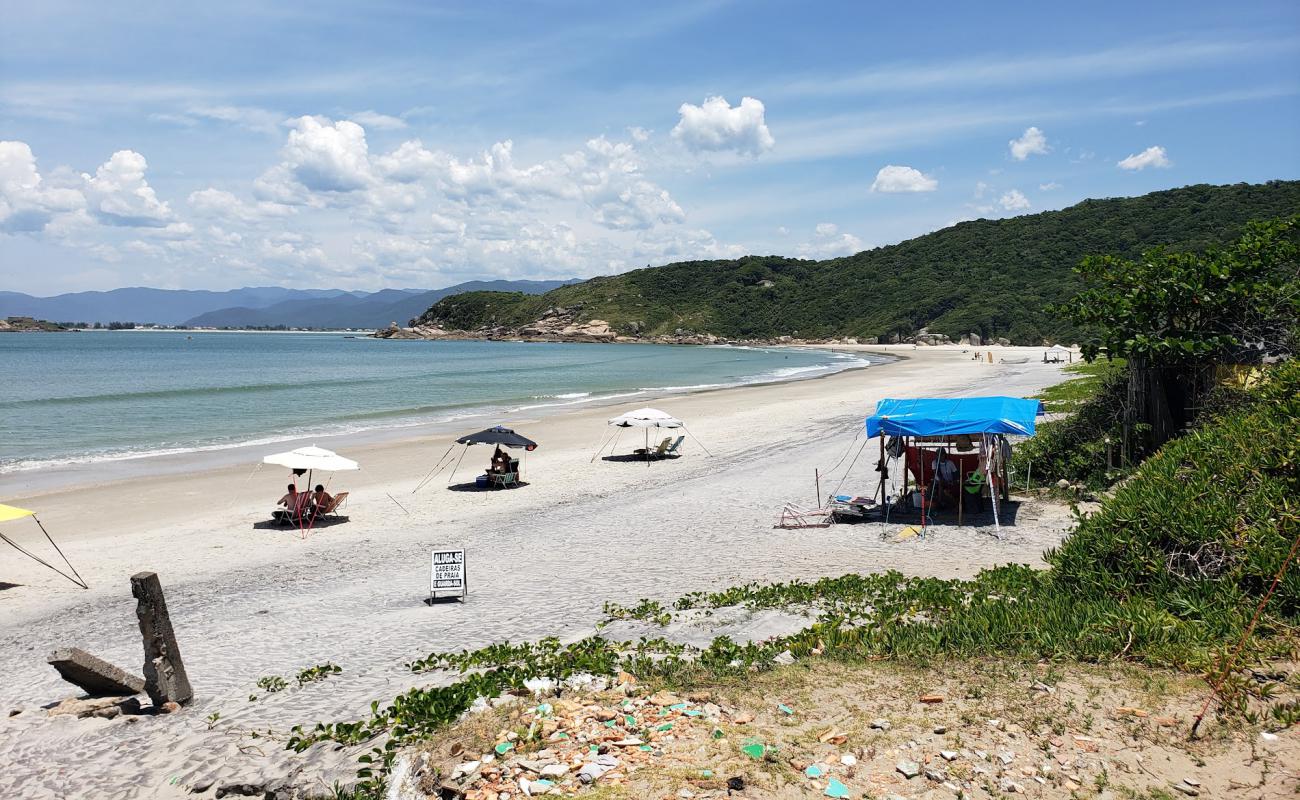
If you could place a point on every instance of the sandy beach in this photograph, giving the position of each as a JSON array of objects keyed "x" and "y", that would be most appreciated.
[{"x": 249, "y": 601}]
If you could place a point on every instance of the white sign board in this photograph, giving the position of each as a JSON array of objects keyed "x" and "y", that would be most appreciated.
[{"x": 447, "y": 574}]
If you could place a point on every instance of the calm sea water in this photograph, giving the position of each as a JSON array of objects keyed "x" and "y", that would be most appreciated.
[{"x": 90, "y": 397}]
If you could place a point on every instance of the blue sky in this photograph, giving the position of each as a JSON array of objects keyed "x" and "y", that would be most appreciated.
[{"x": 416, "y": 144}]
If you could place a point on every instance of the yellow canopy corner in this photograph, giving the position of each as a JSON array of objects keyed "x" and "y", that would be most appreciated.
[{"x": 8, "y": 513}]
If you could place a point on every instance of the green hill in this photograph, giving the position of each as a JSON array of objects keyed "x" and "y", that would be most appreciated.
[{"x": 991, "y": 277}]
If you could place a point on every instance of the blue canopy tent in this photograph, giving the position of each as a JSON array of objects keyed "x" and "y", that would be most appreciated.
[
  {"x": 954, "y": 416},
  {"x": 944, "y": 419}
]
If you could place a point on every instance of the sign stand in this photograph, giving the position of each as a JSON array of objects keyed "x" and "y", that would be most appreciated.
[{"x": 447, "y": 579}]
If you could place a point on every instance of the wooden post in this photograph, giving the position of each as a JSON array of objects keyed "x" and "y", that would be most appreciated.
[{"x": 164, "y": 673}]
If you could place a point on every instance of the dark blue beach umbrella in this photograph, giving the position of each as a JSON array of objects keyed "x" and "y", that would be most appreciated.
[{"x": 501, "y": 436}]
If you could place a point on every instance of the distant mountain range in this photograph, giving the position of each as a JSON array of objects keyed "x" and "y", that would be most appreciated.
[{"x": 266, "y": 306}]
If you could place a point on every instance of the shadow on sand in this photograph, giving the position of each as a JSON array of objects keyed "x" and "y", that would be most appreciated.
[
  {"x": 633, "y": 458},
  {"x": 947, "y": 517},
  {"x": 473, "y": 487},
  {"x": 318, "y": 524}
]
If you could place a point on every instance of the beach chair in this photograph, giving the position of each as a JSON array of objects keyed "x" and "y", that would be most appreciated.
[
  {"x": 656, "y": 451},
  {"x": 504, "y": 480},
  {"x": 287, "y": 515},
  {"x": 672, "y": 448},
  {"x": 332, "y": 510}
]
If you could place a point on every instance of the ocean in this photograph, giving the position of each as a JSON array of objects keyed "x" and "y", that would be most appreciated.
[{"x": 84, "y": 398}]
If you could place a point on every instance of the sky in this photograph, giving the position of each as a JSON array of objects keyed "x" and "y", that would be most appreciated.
[{"x": 396, "y": 144}]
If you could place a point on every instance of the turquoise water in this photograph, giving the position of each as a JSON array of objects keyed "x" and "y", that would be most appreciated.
[{"x": 76, "y": 398}]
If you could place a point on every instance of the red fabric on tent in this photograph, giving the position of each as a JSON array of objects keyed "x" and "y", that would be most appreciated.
[{"x": 920, "y": 462}]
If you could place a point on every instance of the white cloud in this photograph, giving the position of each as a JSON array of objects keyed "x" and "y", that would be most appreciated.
[
  {"x": 638, "y": 134},
  {"x": 377, "y": 121},
  {"x": 118, "y": 193},
  {"x": 327, "y": 156},
  {"x": 980, "y": 188},
  {"x": 717, "y": 126},
  {"x": 1154, "y": 156},
  {"x": 1031, "y": 142},
  {"x": 893, "y": 179},
  {"x": 248, "y": 117},
  {"x": 1050, "y": 186},
  {"x": 27, "y": 203},
  {"x": 829, "y": 242},
  {"x": 225, "y": 205},
  {"x": 1014, "y": 200}
]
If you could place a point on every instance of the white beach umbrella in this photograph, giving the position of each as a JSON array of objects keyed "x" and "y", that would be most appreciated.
[
  {"x": 312, "y": 458},
  {"x": 647, "y": 418}
]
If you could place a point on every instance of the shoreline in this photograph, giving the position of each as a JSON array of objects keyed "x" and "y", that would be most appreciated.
[{"x": 199, "y": 459}]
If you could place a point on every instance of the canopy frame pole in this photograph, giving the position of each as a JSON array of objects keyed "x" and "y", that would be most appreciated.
[
  {"x": 961, "y": 494},
  {"x": 906, "y": 474},
  {"x": 452, "y": 476},
  {"x": 883, "y": 468},
  {"x": 697, "y": 441},
  {"x": 604, "y": 440},
  {"x": 647, "y": 446},
  {"x": 437, "y": 465},
  {"x": 77, "y": 580},
  {"x": 852, "y": 463},
  {"x": 993, "y": 493},
  {"x": 243, "y": 487}
]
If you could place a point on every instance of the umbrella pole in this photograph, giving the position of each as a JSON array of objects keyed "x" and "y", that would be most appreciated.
[{"x": 647, "y": 446}]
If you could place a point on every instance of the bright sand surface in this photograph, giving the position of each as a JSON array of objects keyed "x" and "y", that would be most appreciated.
[{"x": 248, "y": 601}]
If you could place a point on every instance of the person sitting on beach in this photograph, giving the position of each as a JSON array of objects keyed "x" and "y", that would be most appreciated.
[
  {"x": 291, "y": 502},
  {"x": 321, "y": 499},
  {"x": 946, "y": 474},
  {"x": 500, "y": 462}
]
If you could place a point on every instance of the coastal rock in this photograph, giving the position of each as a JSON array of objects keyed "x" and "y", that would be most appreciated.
[
  {"x": 104, "y": 707},
  {"x": 908, "y": 769}
]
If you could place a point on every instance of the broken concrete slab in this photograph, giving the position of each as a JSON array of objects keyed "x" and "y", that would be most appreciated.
[
  {"x": 164, "y": 673},
  {"x": 95, "y": 676}
]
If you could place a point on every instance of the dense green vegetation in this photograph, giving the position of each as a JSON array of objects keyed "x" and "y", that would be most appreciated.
[
  {"x": 991, "y": 277},
  {"x": 1084, "y": 447}
]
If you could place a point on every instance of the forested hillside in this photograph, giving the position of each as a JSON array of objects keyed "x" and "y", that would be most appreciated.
[{"x": 991, "y": 277}]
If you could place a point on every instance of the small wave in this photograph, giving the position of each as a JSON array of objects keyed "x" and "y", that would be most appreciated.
[
  {"x": 566, "y": 396},
  {"x": 192, "y": 391},
  {"x": 578, "y": 398}
]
